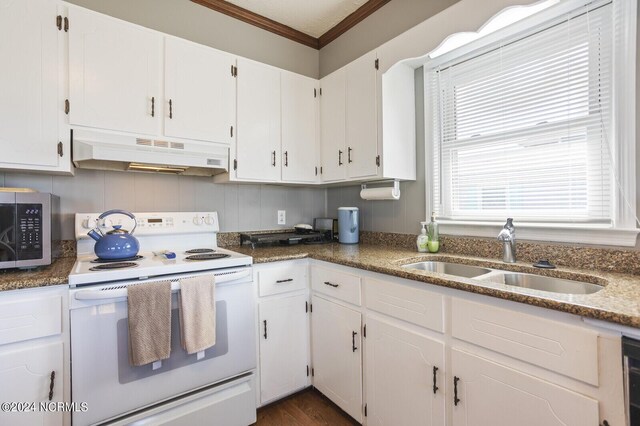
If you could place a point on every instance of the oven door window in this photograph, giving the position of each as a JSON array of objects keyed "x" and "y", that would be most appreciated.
[{"x": 7, "y": 232}]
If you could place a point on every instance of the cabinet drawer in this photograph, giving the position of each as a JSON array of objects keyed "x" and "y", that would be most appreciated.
[
  {"x": 282, "y": 279},
  {"x": 30, "y": 318},
  {"x": 563, "y": 348},
  {"x": 407, "y": 303},
  {"x": 340, "y": 285}
]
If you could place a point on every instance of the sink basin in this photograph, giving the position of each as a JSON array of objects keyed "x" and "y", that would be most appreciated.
[
  {"x": 456, "y": 269},
  {"x": 538, "y": 282}
]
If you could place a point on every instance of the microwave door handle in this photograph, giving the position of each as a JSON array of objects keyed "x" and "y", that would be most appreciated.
[{"x": 175, "y": 286}]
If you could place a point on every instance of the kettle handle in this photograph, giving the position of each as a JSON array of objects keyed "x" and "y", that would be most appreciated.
[
  {"x": 353, "y": 220},
  {"x": 119, "y": 211}
]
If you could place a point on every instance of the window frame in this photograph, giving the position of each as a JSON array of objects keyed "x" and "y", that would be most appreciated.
[{"x": 622, "y": 231}]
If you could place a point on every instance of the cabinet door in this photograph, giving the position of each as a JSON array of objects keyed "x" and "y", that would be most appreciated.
[
  {"x": 202, "y": 91},
  {"x": 114, "y": 74},
  {"x": 400, "y": 377},
  {"x": 337, "y": 361},
  {"x": 491, "y": 394},
  {"x": 26, "y": 377},
  {"x": 332, "y": 127},
  {"x": 284, "y": 343},
  {"x": 258, "y": 137},
  {"x": 29, "y": 79},
  {"x": 299, "y": 113},
  {"x": 361, "y": 112}
]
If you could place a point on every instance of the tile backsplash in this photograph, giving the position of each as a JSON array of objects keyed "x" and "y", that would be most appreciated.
[{"x": 240, "y": 207}]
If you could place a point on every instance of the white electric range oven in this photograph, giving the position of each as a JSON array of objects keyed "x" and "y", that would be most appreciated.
[{"x": 215, "y": 386}]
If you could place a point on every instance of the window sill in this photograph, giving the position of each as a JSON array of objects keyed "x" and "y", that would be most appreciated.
[{"x": 562, "y": 233}]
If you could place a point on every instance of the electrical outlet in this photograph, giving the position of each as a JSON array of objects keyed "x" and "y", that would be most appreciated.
[{"x": 282, "y": 217}]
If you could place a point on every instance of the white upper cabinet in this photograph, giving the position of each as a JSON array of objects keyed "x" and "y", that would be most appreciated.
[
  {"x": 200, "y": 92},
  {"x": 332, "y": 126},
  {"x": 114, "y": 74},
  {"x": 361, "y": 114},
  {"x": 299, "y": 128},
  {"x": 31, "y": 45},
  {"x": 258, "y": 116}
]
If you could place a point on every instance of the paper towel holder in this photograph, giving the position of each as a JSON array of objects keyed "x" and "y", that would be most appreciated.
[{"x": 395, "y": 188}]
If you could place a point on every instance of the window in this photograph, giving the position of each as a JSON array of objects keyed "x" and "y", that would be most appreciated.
[{"x": 523, "y": 127}]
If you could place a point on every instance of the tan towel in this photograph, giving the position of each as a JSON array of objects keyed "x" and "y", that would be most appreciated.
[
  {"x": 149, "y": 308},
  {"x": 197, "y": 305}
]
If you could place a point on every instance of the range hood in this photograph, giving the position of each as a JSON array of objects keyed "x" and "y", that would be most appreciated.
[{"x": 108, "y": 151}]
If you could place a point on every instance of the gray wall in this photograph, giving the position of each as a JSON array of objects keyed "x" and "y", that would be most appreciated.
[
  {"x": 239, "y": 207},
  {"x": 191, "y": 21},
  {"x": 390, "y": 20}
]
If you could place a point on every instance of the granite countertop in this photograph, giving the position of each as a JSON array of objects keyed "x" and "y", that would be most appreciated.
[
  {"x": 55, "y": 274},
  {"x": 618, "y": 302}
]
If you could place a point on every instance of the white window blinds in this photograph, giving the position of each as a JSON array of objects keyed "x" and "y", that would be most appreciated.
[{"x": 522, "y": 128}]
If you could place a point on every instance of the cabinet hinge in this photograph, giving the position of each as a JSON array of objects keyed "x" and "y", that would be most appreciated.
[
  {"x": 59, "y": 22},
  {"x": 364, "y": 331},
  {"x": 315, "y": 93},
  {"x": 67, "y": 106},
  {"x": 365, "y": 410},
  {"x": 377, "y": 64},
  {"x": 231, "y": 131},
  {"x": 235, "y": 164},
  {"x": 378, "y": 160},
  {"x": 66, "y": 24},
  {"x": 307, "y": 371},
  {"x": 60, "y": 151}
]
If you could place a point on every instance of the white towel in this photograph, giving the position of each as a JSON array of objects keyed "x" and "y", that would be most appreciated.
[{"x": 197, "y": 305}]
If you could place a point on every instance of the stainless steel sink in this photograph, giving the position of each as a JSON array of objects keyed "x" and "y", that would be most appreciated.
[
  {"x": 542, "y": 283},
  {"x": 456, "y": 269}
]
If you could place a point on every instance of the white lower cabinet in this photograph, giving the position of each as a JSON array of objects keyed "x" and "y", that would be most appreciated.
[
  {"x": 492, "y": 394},
  {"x": 337, "y": 354},
  {"x": 34, "y": 356},
  {"x": 32, "y": 375},
  {"x": 284, "y": 346},
  {"x": 405, "y": 376}
]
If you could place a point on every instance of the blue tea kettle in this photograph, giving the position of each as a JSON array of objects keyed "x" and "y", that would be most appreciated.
[{"x": 118, "y": 243}]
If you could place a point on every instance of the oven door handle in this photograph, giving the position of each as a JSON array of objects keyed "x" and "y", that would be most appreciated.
[{"x": 222, "y": 277}]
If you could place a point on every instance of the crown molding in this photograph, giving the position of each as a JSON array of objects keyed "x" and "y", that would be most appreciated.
[{"x": 286, "y": 31}]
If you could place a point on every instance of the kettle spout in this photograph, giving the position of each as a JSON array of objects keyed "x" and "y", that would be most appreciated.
[{"x": 95, "y": 235}]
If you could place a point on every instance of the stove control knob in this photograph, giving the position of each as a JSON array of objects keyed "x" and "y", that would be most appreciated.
[
  {"x": 197, "y": 220},
  {"x": 89, "y": 223},
  {"x": 209, "y": 220}
]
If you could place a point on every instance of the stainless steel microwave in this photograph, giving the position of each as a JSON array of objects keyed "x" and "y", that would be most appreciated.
[{"x": 29, "y": 229}]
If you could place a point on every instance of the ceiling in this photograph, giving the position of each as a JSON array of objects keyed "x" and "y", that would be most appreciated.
[{"x": 312, "y": 17}]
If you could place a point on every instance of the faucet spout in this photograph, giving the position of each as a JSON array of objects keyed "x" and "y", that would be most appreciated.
[{"x": 508, "y": 237}]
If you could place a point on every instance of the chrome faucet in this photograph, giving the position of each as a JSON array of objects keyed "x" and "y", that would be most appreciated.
[{"x": 508, "y": 237}]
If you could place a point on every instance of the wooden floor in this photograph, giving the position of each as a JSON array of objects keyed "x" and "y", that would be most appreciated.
[{"x": 305, "y": 408}]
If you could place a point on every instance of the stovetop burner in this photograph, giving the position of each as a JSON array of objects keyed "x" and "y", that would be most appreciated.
[
  {"x": 128, "y": 259},
  {"x": 200, "y": 251},
  {"x": 207, "y": 256},
  {"x": 110, "y": 266}
]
